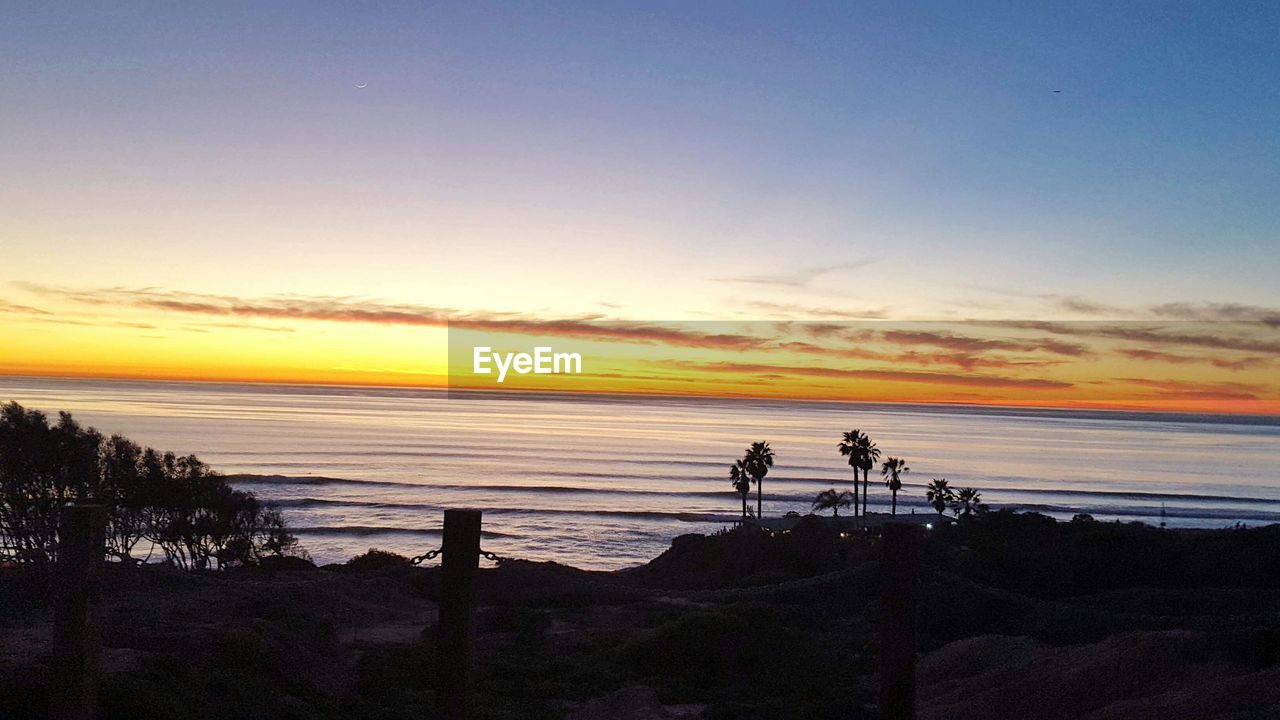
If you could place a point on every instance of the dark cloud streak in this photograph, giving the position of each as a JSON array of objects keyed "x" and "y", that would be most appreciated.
[
  {"x": 993, "y": 381},
  {"x": 1245, "y": 363},
  {"x": 356, "y": 310},
  {"x": 1144, "y": 333}
]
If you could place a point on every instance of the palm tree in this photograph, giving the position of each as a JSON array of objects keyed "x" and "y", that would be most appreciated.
[
  {"x": 892, "y": 471},
  {"x": 741, "y": 482},
  {"x": 968, "y": 501},
  {"x": 851, "y": 447},
  {"x": 940, "y": 495},
  {"x": 870, "y": 455},
  {"x": 758, "y": 460},
  {"x": 833, "y": 500}
]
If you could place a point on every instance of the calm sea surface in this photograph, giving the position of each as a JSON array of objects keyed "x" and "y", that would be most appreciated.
[{"x": 605, "y": 483}]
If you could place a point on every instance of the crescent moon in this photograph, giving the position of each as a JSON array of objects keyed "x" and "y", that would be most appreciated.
[{"x": 362, "y": 86}]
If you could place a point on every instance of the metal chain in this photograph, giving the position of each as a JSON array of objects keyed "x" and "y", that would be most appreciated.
[
  {"x": 433, "y": 554},
  {"x": 429, "y": 555}
]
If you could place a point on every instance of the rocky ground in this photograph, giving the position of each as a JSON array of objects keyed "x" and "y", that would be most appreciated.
[{"x": 1018, "y": 619}]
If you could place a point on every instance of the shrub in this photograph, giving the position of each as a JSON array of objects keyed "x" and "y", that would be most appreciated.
[
  {"x": 156, "y": 500},
  {"x": 376, "y": 559}
]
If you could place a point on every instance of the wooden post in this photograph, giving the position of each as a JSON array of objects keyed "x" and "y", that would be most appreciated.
[
  {"x": 461, "y": 557},
  {"x": 81, "y": 536},
  {"x": 899, "y": 567}
]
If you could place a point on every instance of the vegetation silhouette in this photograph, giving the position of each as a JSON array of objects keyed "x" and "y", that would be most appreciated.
[
  {"x": 833, "y": 500},
  {"x": 861, "y": 454},
  {"x": 159, "y": 501},
  {"x": 870, "y": 454},
  {"x": 968, "y": 501},
  {"x": 892, "y": 471},
  {"x": 772, "y": 612},
  {"x": 939, "y": 494},
  {"x": 851, "y": 447},
  {"x": 741, "y": 482},
  {"x": 757, "y": 461}
]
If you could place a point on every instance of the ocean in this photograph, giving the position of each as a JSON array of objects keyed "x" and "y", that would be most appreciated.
[{"x": 607, "y": 482}]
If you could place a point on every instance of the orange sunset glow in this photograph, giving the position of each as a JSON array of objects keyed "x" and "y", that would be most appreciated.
[
  {"x": 147, "y": 334},
  {"x": 274, "y": 204}
]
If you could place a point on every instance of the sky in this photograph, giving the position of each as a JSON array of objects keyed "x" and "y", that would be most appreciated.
[{"x": 308, "y": 192}]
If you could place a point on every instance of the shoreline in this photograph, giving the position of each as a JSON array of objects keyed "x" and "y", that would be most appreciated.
[{"x": 659, "y": 527}]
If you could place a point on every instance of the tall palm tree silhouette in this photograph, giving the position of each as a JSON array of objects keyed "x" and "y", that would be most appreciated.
[
  {"x": 870, "y": 454},
  {"x": 741, "y": 482},
  {"x": 758, "y": 460},
  {"x": 892, "y": 471},
  {"x": 940, "y": 495},
  {"x": 968, "y": 501},
  {"x": 833, "y": 500},
  {"x": 851, "y": 447}
]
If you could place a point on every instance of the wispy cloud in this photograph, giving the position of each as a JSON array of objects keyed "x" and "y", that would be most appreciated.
[
  {"x": 1083, "y": 306},
  {"x": 359, "y": 310},
  {"x": 968, "y": 361},
  {"x": 590, "y": 329},
  {"x": 797, "y": 311},
  {"x": 203, "y": 327},
  {"x": 1189, "y": 390},
  {"x": 968, "y": 344},
  {"x": 991, "y": 381},
  {"x": 1225, "y": 312},
  {"x": 1245, "y": 363},
  {"x": 798, "y": 278},
  {"x": 1191, "y": 311},
  {"x": 9, "y": 307},
  {"x": 1159, "y": 335}
]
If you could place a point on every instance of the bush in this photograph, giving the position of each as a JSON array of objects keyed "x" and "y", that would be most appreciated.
[
  {"x": 376, "y": 559},
  {"x": 156, "y": 500}
]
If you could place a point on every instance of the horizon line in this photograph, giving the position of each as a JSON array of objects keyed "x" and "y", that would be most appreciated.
[{"x": 575, "y": 394}]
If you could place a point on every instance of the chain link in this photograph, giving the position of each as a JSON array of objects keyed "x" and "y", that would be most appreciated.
[
  {"x": 429, "y": 555},
  {"x": 433, "y": 554}
]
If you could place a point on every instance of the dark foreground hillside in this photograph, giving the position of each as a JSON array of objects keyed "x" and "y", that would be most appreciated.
[{"x": 1019, "y": 617}]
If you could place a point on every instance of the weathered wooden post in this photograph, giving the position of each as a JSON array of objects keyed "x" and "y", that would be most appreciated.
[
  {"x": 81, "y": 536},
  {"x": 461, "y": 557},
  {"x": 899, "y": 568}
]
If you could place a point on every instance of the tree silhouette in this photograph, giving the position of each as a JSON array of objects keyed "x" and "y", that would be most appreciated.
[
  {"x": 940, "y": 495},
  {"x": 851, "y": 447},
  {"x": 833, "y": 500},
  {"x": 176, "y": 504},
  {"x": 741, "y": 482},
  {"x": 757, "y": 461},
  {"x": 968, "y": 502},
  {"x": 892, "y": 471},
  {"x": 870, "y": 455}
]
